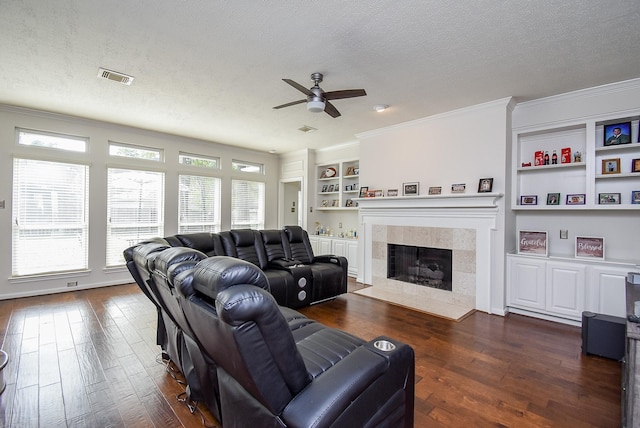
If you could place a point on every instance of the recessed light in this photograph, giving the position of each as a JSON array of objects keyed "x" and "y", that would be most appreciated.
[
  {"x": 272, "y": 151},
  {"x": 380, "y": 107}
]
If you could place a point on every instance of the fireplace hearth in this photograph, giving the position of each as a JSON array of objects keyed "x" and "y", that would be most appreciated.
[{"x": 425, "y": 266}]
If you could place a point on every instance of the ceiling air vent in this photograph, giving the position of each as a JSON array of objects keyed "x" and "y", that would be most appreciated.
[
  {"x": 115, "y": 76},
  {"x": 306, "y": 128}
]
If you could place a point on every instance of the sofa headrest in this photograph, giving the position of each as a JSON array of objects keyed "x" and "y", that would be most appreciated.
[
  {"x": 215, "y": 274},
  {"x": 294, "y": 233},
  {"x": 183, "y": 280},
  {"x": 202, "y": 241},
  {"x": 174, "y": 255},
  {"x": 177, "y": 268},
  {"x": 271, "y": 237},
  {"x": 243, "y": 237},
  {"x": 144, "y": 254}
]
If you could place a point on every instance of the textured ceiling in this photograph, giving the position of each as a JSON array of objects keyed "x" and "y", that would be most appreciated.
[{"x": 212, "y": 69}]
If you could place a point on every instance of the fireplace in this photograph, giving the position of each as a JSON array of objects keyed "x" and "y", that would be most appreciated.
[{"x": 426, "y": 266}]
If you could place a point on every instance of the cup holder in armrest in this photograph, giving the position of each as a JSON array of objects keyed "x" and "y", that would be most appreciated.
[{"x": 384, "y": 345}]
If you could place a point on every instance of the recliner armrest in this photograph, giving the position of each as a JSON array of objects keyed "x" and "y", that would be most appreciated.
[
  {"x": 330, "y": 258},
  {"x": 368, "y": 374}
]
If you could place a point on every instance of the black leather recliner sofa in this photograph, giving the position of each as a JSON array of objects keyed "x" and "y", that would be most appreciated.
[{"x": 277, "y": 368}]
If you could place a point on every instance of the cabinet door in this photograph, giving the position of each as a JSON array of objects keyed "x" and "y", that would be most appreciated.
[
  {"x": 339, "y": 248},
  {"x": 526, "y": 282},
  {"x": 607, "y": 290},
  {"x": 352, "y": 257},
  {"x": 324, "y": 246},
  {"x": 565, "y": 289}
]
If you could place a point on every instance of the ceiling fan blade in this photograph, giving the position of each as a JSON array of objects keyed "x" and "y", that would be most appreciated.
[
  {"x": 331, "y": 110},
  {"x": 346, "y": 93},
  {"x": 291, "y": 104},
  {"x": 298, "y": 87}
]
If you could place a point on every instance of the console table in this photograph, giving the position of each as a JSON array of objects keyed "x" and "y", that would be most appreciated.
[{"x": 630, "y": 369}]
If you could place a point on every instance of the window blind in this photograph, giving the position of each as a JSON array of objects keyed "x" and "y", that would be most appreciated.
[
  {"x": 247, "y": 204},
  {"x": 198, "y": 204},
  {"x": 50, "y": 217},
  {"x": 135, "y": 210}
]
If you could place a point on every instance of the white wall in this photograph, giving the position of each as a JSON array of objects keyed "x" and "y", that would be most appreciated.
[
  {"x": 99, "y": 134},
  {"x": 460, "y": 146}
]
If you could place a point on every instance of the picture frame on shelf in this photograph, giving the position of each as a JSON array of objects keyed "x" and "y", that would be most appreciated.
[
  {"x": 330, "y": 188},
  {"x": 458, "y": 188},
  {"x": 589, "y": 247},
  {"x": 529, "y": 200},
  {"x": 533, "y": 242},
  {"x": 611, "y": 166},
  {"x": 635, "y": 196},
  {"x": 350, "y": 171},
  {"x": 363, "y": 191},
  {"x": 335, "y": 203},
  {"x": 347, "y": 188},
  {"x": 485, "y": 185},
  {"x": 575, "y": 199},
  {"x": 370, "y": 194},
  {"x": 617, "y": 133},
  {"x": 324, "y": 203},
  {"x": 635, "y": 165},
  {"x": 411, "y": 188},
  {"x": 553, "y": 198},
  {"x": 324, "y": 188},
  {"x": 378, "y": 193},
  {"x": 349, "y": 203},
  {"x": 392, "y": 192},
  {"x": 435, "y": 190},
  {"x": 608, "y": 198}
]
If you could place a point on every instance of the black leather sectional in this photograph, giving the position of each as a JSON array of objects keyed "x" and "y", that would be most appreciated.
[{"x": 254, "y": 362}]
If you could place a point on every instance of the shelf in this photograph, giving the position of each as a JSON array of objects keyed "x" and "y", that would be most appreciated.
[
  {"x": 621, "y": 175},
  {"x": 338, "y": 189},
  {"x": 619, "y": 148},
  {"x": 548, "y": 167},
  {"x": 351, "y": 176}
]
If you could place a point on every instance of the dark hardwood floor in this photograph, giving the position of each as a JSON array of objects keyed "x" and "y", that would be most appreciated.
[{"x": 89, "y": 359}]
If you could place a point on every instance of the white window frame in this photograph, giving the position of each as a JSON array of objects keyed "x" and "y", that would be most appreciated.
[{"x": 136, "y": 149}]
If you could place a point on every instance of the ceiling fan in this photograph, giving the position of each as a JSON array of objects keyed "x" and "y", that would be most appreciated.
[{"x": 317, "y": 100}]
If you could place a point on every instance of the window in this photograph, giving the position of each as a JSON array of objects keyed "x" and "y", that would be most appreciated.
[
  {"x": 52, "y": 141},
  {"x": 254, "y": 168},
  {"x": 134, "y": 210},
  {"x": 199, "y": 204},
  {"x": 50, "y": 220},
  {"x": 137, "y": 152},
  {"x": 199, "y": 160},
  {"x": 247, "y": 204}
]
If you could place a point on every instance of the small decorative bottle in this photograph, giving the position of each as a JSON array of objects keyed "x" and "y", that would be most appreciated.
[
  {"x": 546, "y": 158},
  {"x": 554, "y": 158}
]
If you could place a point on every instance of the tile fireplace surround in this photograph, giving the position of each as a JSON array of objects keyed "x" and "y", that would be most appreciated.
[{"x": 461, "y": 223}]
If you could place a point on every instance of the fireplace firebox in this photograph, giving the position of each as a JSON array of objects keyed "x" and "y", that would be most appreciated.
[{"x": 430, "y": 267}]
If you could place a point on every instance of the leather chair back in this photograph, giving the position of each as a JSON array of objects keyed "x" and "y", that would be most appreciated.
[
  {"x": 208, "y": 243},
  {"x": 244, "y": 244},
  {"x": 297, "y": 245},
  {"x": 273, "y": 242}
]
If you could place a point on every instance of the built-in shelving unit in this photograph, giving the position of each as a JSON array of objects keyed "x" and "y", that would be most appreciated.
[
  {"x": 338, "y": 185},
  {"x": 578, "y": 175}
]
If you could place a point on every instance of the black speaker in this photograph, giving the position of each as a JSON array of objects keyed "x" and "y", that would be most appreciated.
[{"x": 603, "y": 335}]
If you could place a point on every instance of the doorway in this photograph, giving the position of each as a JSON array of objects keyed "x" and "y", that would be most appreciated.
[{"x": 291, "y": 200}]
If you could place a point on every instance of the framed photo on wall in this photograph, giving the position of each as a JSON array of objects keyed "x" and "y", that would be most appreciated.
[
  {"x": 608, "y": 198},
  {"x": 485, "y": 185},
  {"x": 611, "y": 166},
  {"x": 617, "y": 133},
  {"x": 589, "y": 247},
  {"x": 575, "y": 199},
  {"x": 529, "y": 200},
  {"x": 553, "y": 198},
  {"x": 435, "y": 190},
  {"x": 532, "y": 243},
  {"x": 411, "y": 189},
  {"x": 635, "y": 196},
  {"x": 635, "y": 165}
]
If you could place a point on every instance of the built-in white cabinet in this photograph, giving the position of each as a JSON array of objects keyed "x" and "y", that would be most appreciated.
[
  {"x": 344, "y": 247},
  {"x": 561, "y": 289}
]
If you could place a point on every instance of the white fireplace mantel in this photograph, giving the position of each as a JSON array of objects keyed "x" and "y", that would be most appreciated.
[
  {"x": 480, "y": 212},
  {"x": 475, "y": 200}
]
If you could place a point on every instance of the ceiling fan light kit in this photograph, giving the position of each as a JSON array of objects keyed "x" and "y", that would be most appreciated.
[{"x": 317, "y": 100}]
